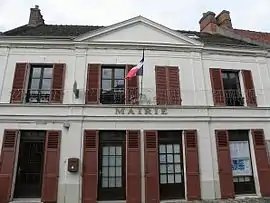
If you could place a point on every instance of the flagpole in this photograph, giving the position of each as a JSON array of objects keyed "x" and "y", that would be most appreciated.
[{"x": 142, "y": 79}]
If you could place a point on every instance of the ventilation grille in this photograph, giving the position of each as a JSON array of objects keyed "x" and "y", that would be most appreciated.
[
  {"x": 133, "y": 139},
  {"x": 90, "y": 139},
  {"x": 53, "y": 140},
  {"x": 151, "y": 140},
  {"x": 222, "y": 139},
  {"x": 9, "y": 140}
]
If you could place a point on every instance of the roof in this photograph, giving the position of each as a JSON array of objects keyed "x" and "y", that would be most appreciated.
[
  {"x": 263, "y": 37},
  {"x": 76, "y": 30},
  {"x": 51, "y": 30}
]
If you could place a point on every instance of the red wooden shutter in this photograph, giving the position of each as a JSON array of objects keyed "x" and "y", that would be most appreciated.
[
  {"x": 217, "y": 87},
  {"x": 173, "y": 86},
  {"x": 151, "y": 167},
  {"x": 132, "y": 88},
  {"x": 161, "y": 85},
  {"x": 249, "y": 88},
  {"x": 90, "y": 167},
  {"x": 263, "y": 166},
  {"x": 93, "y": 84},
  {"x": 133, "y": 167},
  {"x": 7, "y": 159},
  {"x": 224, "y": 164},
  {"x": 192, "y": 165},
  {"x": 51, "y": 166},
  {"x": 19, "y": 82},
  {"x": 58, "y": 83}
]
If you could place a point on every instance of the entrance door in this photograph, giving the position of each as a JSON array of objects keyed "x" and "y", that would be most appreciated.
[
  {"x": 30, "y": 165},
  {"x": 112, "y": 177},
  {"x": 172, "y": 184},
  {"x": 241, "y": 162}
]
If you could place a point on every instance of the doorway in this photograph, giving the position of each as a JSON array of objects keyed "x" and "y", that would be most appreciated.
[
  {"x": 29, "y": 173},
  {"x": 112, "y": 178}
]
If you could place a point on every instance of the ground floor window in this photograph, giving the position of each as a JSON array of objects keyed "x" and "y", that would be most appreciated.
[
  {"x": 112, "y": 168},
  {"x": 171, "y": 173},
  {"x": 241, "y": 162}
]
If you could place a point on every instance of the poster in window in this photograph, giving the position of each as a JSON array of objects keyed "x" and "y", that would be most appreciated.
[{"x": 240, "y": 156}]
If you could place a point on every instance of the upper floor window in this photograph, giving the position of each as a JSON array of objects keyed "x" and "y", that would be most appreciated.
[
  {"x": 226, "y": 87},
  {"x": 112, "y": 85},
  {"x": 232, "y": 89},
  {"x": 40, "y": 82}
]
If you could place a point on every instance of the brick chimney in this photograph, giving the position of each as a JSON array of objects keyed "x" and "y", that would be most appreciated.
[
  {"x": 224, "y": 19},
  {"x": 35, "y": 18},
  {"x": 208, "y": 22}
]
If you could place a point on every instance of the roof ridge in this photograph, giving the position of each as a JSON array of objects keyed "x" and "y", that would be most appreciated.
[
  {"x": 74, "y": 25},
  {"x": 251, "y": 31}
]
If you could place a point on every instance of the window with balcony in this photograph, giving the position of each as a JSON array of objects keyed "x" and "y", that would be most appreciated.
[
  {"x": 39, "y": 85},
  {"x": 232, "y": 89},
  {"x": 112, "y": 85}
]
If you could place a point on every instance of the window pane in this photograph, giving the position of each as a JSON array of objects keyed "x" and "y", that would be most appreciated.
[
  {"x": 232, "y": 75},
  {"x": 105, "y": 161},
  {"x": 112, "y": 161},
  {"x": 177, "y": 168},
  {"x": 111, "y": 171},
  {"x": 118, "y": 182},
  {"x": 169, "y": 148},
  {"x": 170, "y": 178},
  {"x": 105, "y": 182},
  {"x": 162, "y": 158},
  {"x": 47, "y": 73},
  {"x": 163, "y": 168},
  {"x": 111, "y": 182},
  {"x": 178, "y": 178},
  {"x": 247, "y": 179},
  {"x": 105, "y": 171},
  {"x": 118, "y": 161},
  {"x": 224, "y": 75},
  {"x": 176, "y": 158},
  {"x": 105, "y": 150},
  {"x": 46, "y": 84},
  {"x": 170, "y": 158},
  {"x": 176, "y": 148},
  {"x": 35, "y": 84},
  {"x": 112, "y": 150},
  {"x": 170, "y": 168},
  {"x": 118, "y": 150},
  {"x": 106, "y": 73},
  {"x": 36, "y": 72},
  {"x": 119, "y": 73},
  {"x": 119, "y": 84},
  {"x": 162, "y": 149},
  {"x": 106, "y": 85},
  {"x": 163, "y": 179},
  {"x": 118, "y": 171}
]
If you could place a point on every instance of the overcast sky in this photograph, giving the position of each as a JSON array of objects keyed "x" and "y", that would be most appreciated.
[{"x": 175, "y": 14}]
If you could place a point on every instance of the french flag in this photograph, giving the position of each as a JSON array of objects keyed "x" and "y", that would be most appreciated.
[{"x": 136, "y": 70}]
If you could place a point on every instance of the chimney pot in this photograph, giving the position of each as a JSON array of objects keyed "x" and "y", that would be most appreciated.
[
  {"x": 224, "y": 19},
  {"x": 208, "y": 22},
  {"x": 35, "y": 18}
]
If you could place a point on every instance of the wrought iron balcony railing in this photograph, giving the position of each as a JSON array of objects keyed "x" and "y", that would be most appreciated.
[
  {"x": 37, "y": 96},
  {"x": 134, "y": 96}
]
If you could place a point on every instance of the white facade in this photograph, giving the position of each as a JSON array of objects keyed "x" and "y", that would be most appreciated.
[{"x": 118, "y": 44}]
